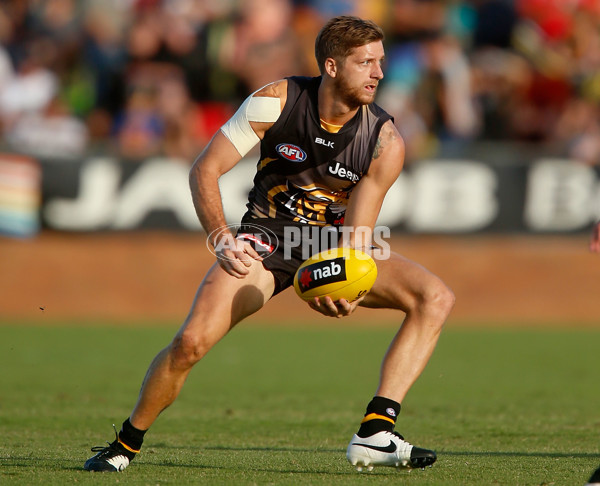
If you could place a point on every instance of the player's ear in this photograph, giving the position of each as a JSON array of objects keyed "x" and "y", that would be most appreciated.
[{"x": 331, "y": 67}]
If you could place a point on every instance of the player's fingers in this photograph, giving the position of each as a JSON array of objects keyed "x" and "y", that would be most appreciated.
[
  {"x": 329, "y": 305},
  {"x": 241, "y": 257},
  {"x": 253, "y": 253},
  {"x": 344, "y": 308},
  {"x": 319, "y": 306},
  {"x": 232, "y": 265},
  {"x": 241, "y": 264},
  {"x": 359, "y": 300},
  {"x": 235, "y": 270}
]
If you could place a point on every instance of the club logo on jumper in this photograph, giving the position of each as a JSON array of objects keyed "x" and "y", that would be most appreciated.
[
  {"x": 322, "y": 273},
  {"x": 258, "y": 241},
  {"x": 291, "y": 152},
  {"x": 322, "y": 141},
  {"x": 341, "y": 172},
  {"x": 262, "y": 239}
]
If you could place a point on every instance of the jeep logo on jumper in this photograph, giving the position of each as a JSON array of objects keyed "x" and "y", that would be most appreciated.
[
  {"x": 322, "y": 273},
  {"x": 291, "y": 152},
  {"x": 342, "y": 172}
]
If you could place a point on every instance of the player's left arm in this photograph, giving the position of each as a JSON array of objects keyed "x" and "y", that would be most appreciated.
[
  {"x": 367, "y": 197},
  {"x": 364, "y": 206}
]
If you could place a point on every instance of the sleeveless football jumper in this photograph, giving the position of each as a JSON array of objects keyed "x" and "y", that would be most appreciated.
[{"x": 305, "y": 174}]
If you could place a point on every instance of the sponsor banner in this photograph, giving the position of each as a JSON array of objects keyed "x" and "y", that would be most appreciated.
[{"x": 447, "y": 195}]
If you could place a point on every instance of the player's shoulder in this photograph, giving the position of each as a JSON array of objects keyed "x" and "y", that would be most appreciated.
[
  {"x": 276, "y": 89},
  {"x": 377, "y": 112},
  {"x": 389, "y": 131},
  {"x": 390, "y": 144},
  {"x": 287, "y": 88},
  {"x": 383, "y": 121}
]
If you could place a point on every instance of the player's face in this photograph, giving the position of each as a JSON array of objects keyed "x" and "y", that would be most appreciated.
[{"x": 358, "y": 76}]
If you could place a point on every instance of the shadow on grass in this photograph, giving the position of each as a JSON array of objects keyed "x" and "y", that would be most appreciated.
[
  {"x": 31, "y": 462},
  {"x": 342, "y": 452},
  {"x": 55, "y": 464},
  {"x": 553, "y": 455}
]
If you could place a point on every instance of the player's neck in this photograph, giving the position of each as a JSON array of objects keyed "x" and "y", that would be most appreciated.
[{"x": 332, "y": 110}]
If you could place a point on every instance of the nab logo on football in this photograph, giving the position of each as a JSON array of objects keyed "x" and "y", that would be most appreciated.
[
  {"x": 322, "y": 273},
  {"x": 291, "y": 152}
]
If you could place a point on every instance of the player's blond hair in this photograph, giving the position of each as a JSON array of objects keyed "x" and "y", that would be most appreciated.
[{"x": 341, "y": 34}]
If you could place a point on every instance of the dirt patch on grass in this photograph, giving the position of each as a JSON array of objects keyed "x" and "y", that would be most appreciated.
[{"x": 153, "y": 276}]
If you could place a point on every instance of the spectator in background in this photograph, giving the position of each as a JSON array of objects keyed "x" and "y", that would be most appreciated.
[
  {"x": 188, "y": 125},
  {"x": 51, "y": 132},
  {"x": 104, "y": 59},
  {"x": 35, "y": 118},
  {"x": 34, "y": 84},
  {"x": 459, "y": 71},
  {"x": 259, "y": 44},
  {"x": 139, "y": 128},
  {"x": 428, "y": 86},
  {"x": 561, "y": 40},
  {"x": 7, "y": 72}
]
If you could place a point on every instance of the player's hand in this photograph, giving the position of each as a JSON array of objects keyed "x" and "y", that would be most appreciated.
[
  {"x": 235, "y": 256},
  {"x": 329, "y": 308},
  {"x": 595, "y": 239}
]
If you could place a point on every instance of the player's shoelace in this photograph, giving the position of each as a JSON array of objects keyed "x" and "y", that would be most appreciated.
[
  {"x": 111, "y": 447},
  {"x": 105, "y": 450}
]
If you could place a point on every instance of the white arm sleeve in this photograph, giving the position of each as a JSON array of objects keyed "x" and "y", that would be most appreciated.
[{"x": 253, "y": 109}]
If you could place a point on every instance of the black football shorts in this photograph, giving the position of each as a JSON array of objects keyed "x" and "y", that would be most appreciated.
[{"x": 284, "y": 245}]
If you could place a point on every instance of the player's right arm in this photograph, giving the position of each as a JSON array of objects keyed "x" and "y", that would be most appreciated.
[
  {"x": 217, "y": 158},
  {"x": 227, "y": 147}
]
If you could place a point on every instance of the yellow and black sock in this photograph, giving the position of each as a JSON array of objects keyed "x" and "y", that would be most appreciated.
[
  {"x": 380, "y": 416},
  {"x": 131, "y": 439}
]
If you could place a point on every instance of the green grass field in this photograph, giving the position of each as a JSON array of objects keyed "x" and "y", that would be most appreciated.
[{"x": 278, "y": 405}]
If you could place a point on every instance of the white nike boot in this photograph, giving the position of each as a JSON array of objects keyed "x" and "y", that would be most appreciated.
[{"x": 387, "y": 449}]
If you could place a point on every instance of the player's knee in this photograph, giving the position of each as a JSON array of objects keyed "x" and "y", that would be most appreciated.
[
  {"x": 438, "y": 299},
  {"x": 187, "y": 349}
]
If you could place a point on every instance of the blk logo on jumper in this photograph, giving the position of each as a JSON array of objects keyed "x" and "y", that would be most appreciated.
[
  {"x": 322, "y": 141},
  {"x": 323, "y": 273},
  {"x": 291, "y": 152}
]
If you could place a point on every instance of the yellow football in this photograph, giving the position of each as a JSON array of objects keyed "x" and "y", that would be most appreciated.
[{"x": 340, "y": 273}]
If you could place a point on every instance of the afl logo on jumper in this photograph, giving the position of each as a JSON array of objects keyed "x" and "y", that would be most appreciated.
[{"x": 291, "y": 152}]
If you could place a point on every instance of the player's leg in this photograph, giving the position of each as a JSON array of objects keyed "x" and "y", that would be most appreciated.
[
  {"x": 220, "y": 303},
  {"x": 426, "y": 301},
  {"x": 407, "y": 286}
]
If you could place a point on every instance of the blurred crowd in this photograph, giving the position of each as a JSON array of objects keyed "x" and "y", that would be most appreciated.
[{"x": 153, "y": 78}]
